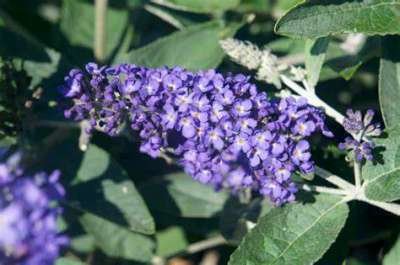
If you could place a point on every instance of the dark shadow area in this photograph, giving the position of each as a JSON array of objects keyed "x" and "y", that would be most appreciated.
[
  {"x": 305, "y": 197},
  {"x": 19, "y": 47}
]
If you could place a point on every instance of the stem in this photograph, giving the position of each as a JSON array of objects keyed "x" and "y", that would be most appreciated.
[
  {"x": 387, "y": 206},
  {"x": 100, "y": 29},
  {"x": 292, "y": 59},
  {"x": 313, "y": 99},
  {"x": 56, "y": 124},
  {"x": 357, "y": 173},
  {"x": 245, "y": 196},
  {"x": 169, "y": 160},
  {"x": 84, "y": 137},
  {"x": 205, "y": 244},
  {"x": 210, "y": 258},
  {"x": 321, "y": 189},
  {"x": 157, "y": 260},
  {"x": 164, "y": 16},
  {"x": 336, "y": 180}
]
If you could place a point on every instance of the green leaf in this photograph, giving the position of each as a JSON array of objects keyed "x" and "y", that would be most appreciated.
[
  {"x": 298, "y": 233},
  {"x": 171, "y": 241},
  {"x": 117, "y": 241},
  {"x": 77, "y": 25},
  {"x": 389, "y": 81},
  {"x": 7, "y": 141},
  {"x": 194, "y": 48},
  {"x": 83, "y": 243},
  {"x": 254, "y": 6},
  {"x": 345, "y": 64},
  {"x": 354, "y": 261},
  {"x": 102, "y": 188},
  {"x": 382, "y": 177},
  {"x": 282, "y": 6},
  {"x": 393, "y": 256},
  {"x": 180, "y": 195},
  {"x": 235, "y": 218},
  {"x": 38, "y": 61},
  {"x": 315, "y": 56},
  {"x": 200, "y": 6},
  {"x": 68, "y": 261},
  {"x": 321, "y": 18},
  {"x": 338, "y": 62}
]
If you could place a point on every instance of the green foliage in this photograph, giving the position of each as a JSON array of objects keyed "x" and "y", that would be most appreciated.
[
  {"x": 237, "y": 217},
  {"x": 315, "y": 52},
  {"x": 179, "y": 195},
  {"x": 389, "y": 80},
  {"x": 110, "y": 209},
  {"x": 37, "y": 60},
  {"x": 382, "y": 177},
  {"x": 117, "y": 241},
  {"x": 171, "y": 241},
  {"x": 68, "y": 261},
  {"x": 113, "y": 222},
  {"x": 76, "y": 25},
  {"x": 200, "y": 6},
  {"x": 185, "y": 48},
  {"x": 297, "y": 233},
  {"x": 113, "y": 195},
  {"x": 393, "y": 256},
  {"x": 321, "y": 18}
]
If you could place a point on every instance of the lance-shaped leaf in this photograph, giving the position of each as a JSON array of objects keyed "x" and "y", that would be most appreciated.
[
  {"x": 297, "y": 233},
  {"x": 116, "y": 241},
  {"x": 170, "y": 241},
  {"x": 237, "y": 218},
  {"x": 180, "y": 195},
  {"x": 77, "y": 26},
  {"x": 38, "y": 61},
  {"x": 320, "y": 18},
  {"x": 393, "y": 256},
  {"x": 382, "y": 176},
  {"x": 315, "y": 52},
  {"x": 102, "y": 188},
  {"x": 199, "y": 6},
  {"x": 389, "y": 81},
  {"x": 194, "y": 48}
]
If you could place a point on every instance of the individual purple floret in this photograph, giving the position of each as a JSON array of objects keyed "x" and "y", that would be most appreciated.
[
  {"x": 223, "y": 131},
  {"x": 355, "y": 124},
  {"x": 361, "y": 149},
  {"x": 28, "y": 217},
  {"x": 361, "y": 128}
]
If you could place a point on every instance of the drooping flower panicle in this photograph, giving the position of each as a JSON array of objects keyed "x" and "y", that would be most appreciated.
[
  {"x": 361, "y": 128},
  {"x": 223, "y": 131},
  {"x": 28, "y": 217}
]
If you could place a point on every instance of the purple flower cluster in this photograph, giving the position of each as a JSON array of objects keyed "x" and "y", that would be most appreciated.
[
  {"x": 28, "y": 218},
  {"x": 221, "y": 129},
  {"x": 360, "y": 128}
]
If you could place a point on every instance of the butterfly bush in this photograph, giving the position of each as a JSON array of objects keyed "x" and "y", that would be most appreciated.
[
  {"x": 221, "y": 129},
  {"x": 28, "y": 216}
]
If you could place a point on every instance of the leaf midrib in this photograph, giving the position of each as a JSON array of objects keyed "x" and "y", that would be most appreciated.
[
  {"x": 334, "y": 12},
  {"x": 308, "y": 229},
  {"x": 344, "y": 9},
  {"x": 382, "y": 175}
]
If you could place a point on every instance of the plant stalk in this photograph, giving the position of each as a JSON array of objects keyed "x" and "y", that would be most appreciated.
[
  {"x": 322, "y": 189},
  {"x": 205, "y": 244},
  {"x": 313, "y": 99},
  {"x": 387, "y": 206},
  {"x": 357, "y": 173},
  {"x": 332, "y": 178},
  {"x": 100, "y": 30}
]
